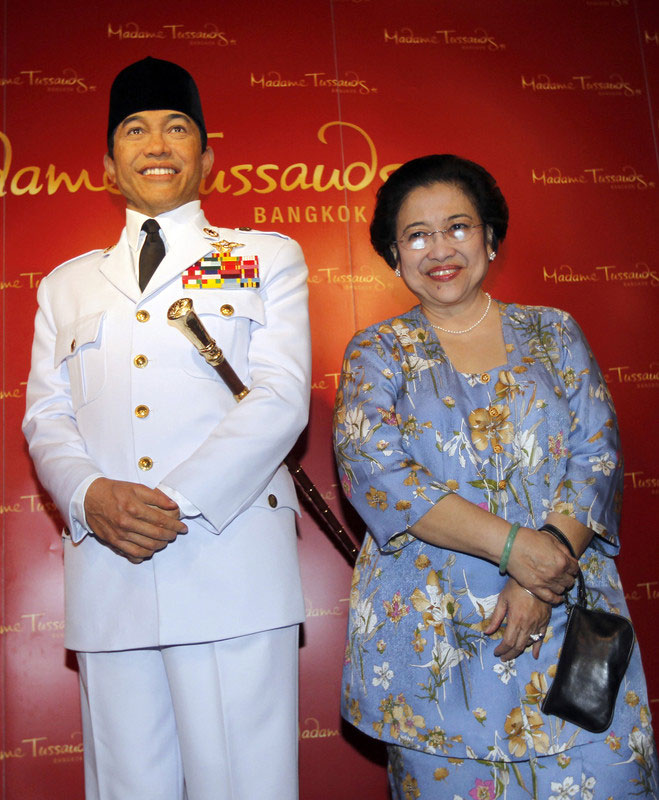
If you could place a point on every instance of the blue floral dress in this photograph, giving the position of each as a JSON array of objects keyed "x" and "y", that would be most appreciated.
[{"x": 534, "y": 435}]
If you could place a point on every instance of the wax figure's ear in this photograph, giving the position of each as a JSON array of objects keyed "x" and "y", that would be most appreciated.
[
  {"x": 207, "y": 159},
  {"x": 108, "y": 163}
]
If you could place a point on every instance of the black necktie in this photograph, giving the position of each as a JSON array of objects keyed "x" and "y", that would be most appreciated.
[{"x": 152, "y": 253}]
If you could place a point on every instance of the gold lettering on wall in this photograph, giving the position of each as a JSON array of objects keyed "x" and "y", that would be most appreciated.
[
  {"x": 238, "y": 179},
  {"x": 39, "y": 502},
  {"x": 312, "y": 730},
  {"x": 336, "y": 611},
  {"x": 14, "y": 394},
  {"x": 36, "y": 623},
  {"x": 639, "y": 482},
  {"x": 309, "y": 214},
  {"x": 644, "y": 591},
  {"x": 334, "y": 276},
  {"x": 614, "y": 85},
  {"x": 641, "y": 272},
  {"x": 68, "y": 81},
  {"x": 351, "y": 83},
  {"x": 651, "y": 590},
  {"x": 479, "y": 39},
  {"x": 15, "y": 628},
  {"x": 626, "y": 178},
  {"x": 38, "y": 747},
  {"x": 209, "y": 33},
  {"x": 33, "y": 279},
  {"x": 647, "y": 378},
  {"x": 16, "y": 752},
  {"x": 27, "y": 180},
  {"x": 638, "y": 275}
]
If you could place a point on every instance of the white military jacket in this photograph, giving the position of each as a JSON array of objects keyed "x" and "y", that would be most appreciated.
[{"x": 116, "y": 390}]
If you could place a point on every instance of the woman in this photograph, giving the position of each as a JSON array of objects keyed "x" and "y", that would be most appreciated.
[{"x": 461, "y": 427}]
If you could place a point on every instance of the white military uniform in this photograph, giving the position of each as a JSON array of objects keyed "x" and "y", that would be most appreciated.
[{"x": 116, "y": 390}]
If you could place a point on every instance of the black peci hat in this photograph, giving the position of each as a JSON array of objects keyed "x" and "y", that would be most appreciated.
[{"x": 153, "y": 84}]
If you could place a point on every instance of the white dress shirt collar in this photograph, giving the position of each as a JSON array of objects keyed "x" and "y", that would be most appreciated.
[{"x": 135, "y": 220}]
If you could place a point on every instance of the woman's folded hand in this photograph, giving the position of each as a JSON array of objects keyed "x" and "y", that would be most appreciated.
[
  {"x": 526, "y": 619},
  {"x": 542, "y": 565}
]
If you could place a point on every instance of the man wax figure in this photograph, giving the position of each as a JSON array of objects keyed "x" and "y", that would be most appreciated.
[{"x": 183, "y": 594}]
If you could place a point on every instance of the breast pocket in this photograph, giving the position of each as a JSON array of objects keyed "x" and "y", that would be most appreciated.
[
  {"x": 229, "y": 317},
  {"x": 78, "y": 346}
]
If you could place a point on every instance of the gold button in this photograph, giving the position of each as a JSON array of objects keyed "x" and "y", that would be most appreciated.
[
  {"x": 503, "y": 484},
  {"x": 272, "y": 501},
  {"x": 145, "y": 463},
  {"x": 140, "y": 361},
  {"x": 73, "y": 345},
  {"x": 142, "y": 411},
  {"x": 211, "y": 232},
  {"x": 226, "y": 310},
  {"x": 497, "y": 448},
  {"x": 142, "y": 315},
  {"x": 244, "y": 228},
  {"x": 485, "y": 378},
  {"x": 493, "y": 412}
]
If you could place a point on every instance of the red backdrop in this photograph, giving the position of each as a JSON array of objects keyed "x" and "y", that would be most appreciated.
[{"x": 309, "y": 105}]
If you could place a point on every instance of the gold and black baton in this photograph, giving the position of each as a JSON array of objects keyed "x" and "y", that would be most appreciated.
[{"x": 182, "y": 315}]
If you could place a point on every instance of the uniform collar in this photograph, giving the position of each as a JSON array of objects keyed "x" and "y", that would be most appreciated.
[{"x": 167, "y": 221}]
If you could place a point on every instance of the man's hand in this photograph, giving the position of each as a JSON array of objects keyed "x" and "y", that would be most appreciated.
[{"x": 132, "y": 519}]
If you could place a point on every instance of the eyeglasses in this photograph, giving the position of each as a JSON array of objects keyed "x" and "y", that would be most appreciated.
[{"x": 457, "y": 233}]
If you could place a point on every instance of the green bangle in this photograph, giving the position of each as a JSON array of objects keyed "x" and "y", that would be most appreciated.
[{"x": 508, "y": 546}]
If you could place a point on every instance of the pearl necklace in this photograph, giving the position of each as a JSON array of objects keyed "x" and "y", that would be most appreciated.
[{"x": 471, "y": 327}]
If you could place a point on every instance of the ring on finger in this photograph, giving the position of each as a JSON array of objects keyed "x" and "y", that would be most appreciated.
[{"x": 536, "y": 637}]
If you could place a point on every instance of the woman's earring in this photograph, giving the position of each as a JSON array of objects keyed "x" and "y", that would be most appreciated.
[
  {"x": 492, "y": 255},
  {"x": 397, "y": 272}
]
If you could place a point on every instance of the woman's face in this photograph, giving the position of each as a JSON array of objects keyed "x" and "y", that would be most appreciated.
[{"x": 446, "y": 276}]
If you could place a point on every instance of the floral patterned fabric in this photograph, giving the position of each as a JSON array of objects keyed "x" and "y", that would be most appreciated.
[
  {"x": 592, "y": 772},
  {"x": 536, "y": 434}
]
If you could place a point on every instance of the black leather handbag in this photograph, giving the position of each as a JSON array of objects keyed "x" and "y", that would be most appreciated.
[{"x": 594, "y": 657}]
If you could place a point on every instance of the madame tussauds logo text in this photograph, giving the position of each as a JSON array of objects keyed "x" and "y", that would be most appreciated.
[
  {"x": 350, "y": 83},
  {"x": 41, "y": 746},
  {"x": 479, "y": 39},
  {"x": 34, "y": 623},
  {"x": 641, "y": 378},
  {"x": 626, "y": 177},
  {"x": 236, "y": 180},
  {"x": 638, "y": 275},
  {"x": 613, "y": 85},
  {"x": 67, "y": 81},
  {"x": 208, "y": 34}
]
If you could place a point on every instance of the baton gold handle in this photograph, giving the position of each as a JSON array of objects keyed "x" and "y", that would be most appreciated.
[{"x": 183, "y": 316}]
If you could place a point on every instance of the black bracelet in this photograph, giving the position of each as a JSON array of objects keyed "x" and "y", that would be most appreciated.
[{"x": 557, "y": 534}]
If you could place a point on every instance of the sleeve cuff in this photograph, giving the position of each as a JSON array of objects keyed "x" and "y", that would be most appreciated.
[
  {"x": 188, "y": 510},
  {"x": 77, "y": 520}
]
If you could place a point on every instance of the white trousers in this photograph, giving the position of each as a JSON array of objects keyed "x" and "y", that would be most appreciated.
[{"x": 212, "y": 721}]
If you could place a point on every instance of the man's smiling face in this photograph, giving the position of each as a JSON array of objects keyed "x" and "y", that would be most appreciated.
[{"x": 157, "y": 163}]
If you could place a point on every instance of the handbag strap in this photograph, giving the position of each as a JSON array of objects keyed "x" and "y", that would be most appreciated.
[{"x": 562, "y": 538}]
